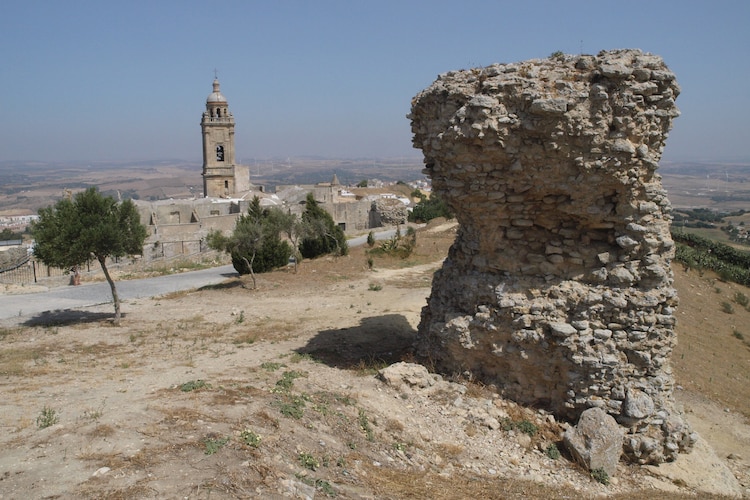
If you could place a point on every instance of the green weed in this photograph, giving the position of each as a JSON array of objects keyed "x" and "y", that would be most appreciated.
[
  {"x": 194, "y": 385},
  {"x": 47, "y": 417},
  {"x": 364, "y": 425},
  {"x": 552, "y": 451},
  {"x": 214, "y": 444},
  {"x": 600, "y": 475},
  {"x": 308, "y": 461},
  {"x": 250, "y": 438}
]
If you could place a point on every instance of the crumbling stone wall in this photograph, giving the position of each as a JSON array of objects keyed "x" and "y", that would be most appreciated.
[{"x": 558, "y": 287}]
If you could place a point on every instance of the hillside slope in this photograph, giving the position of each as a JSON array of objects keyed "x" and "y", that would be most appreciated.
[{"x": 229, "y": 392}]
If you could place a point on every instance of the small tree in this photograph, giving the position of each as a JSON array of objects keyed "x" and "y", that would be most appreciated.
[
  {"x": 255, "y": 244},
  {"x": 323, "y": 236},
  {"x": 89, "y": 226}
]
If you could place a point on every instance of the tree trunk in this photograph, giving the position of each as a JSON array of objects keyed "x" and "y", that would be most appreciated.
[
  {"x": 115, "y": 297},
  {"x": 250, "y": 266}
]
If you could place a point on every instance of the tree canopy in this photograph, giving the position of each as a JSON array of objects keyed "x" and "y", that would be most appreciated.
[
  {"x": 429, "y": 208},
  {"x": 323, "y": 235},
  {"x": 89, "y": 226}
]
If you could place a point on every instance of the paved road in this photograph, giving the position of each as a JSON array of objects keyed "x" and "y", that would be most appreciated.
[{"x": 71, "y": 297}]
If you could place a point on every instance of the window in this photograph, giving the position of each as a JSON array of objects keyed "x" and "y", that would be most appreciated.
[{"x": 219, "y": 153}]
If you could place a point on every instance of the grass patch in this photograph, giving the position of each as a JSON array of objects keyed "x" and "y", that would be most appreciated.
[
  {"x": 370, "y": 365},
  {"x": 294, "y": 407},
  {"x": 14, "y": 361},
  {"x": 508, "y": 424},
  {"x": 247, "y": 338},
  {"x": 194, "y": 385},
  {"x": 284, "y": 384},
  {"x": 304, "y": 356}
]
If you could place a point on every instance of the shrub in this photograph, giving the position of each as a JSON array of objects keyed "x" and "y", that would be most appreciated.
[
  {"x": 430, "y": 208},
  {"x": 701, "y": 253},
  {"x": 741, "y": 299},
  {"x": 398, "y": 245},
  {"x": 557, "y": 55},
  {"x": 273, "y": 253},
  {"x": 527, "y": 427}
]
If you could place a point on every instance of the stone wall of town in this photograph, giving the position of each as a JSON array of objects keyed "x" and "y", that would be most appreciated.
[{"x": 558, "y": 288}]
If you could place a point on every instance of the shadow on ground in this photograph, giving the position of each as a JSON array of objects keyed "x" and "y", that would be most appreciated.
[
  {"x": 375, "y": 341},
  {"x": 64, "y": 317},
  {"x": 225, "y": 285}
]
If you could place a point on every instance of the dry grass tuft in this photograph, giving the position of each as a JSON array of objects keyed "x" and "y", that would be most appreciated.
[
  {"x": 394, "y": 426},
  {"x": 235, "y": 395},
  {"x": 266, "y": 420},
  {"x": 92, "y": 489},
  {"x": 450, "y": 450},
  {"x": 102, "y": 431}
]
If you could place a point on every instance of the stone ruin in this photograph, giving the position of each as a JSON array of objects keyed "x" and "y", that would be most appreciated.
[{"x": 558, "y": 289}]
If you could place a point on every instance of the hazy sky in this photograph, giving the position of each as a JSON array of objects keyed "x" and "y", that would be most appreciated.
[{"x": 128, "y": 80}]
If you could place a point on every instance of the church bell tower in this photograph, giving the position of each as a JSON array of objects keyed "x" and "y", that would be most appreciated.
[{"x": 219, "y": 170}]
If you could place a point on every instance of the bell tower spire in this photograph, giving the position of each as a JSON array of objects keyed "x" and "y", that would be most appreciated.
[{"x": 217, "y": 125}]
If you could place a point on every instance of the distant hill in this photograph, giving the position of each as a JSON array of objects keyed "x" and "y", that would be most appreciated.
[{"x": 32, "y": 185}]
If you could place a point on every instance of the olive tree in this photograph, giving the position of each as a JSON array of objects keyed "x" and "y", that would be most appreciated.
[{"x": 85, "y": 227}]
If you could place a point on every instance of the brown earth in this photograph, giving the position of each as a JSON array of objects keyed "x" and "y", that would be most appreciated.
[{"x": 230, "y": 392}]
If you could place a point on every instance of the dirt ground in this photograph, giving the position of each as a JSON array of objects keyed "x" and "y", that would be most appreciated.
[{"x": 233, "y": 392}]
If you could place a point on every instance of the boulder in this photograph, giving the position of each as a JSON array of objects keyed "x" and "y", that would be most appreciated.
[{"x": 595, "y": 441}]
